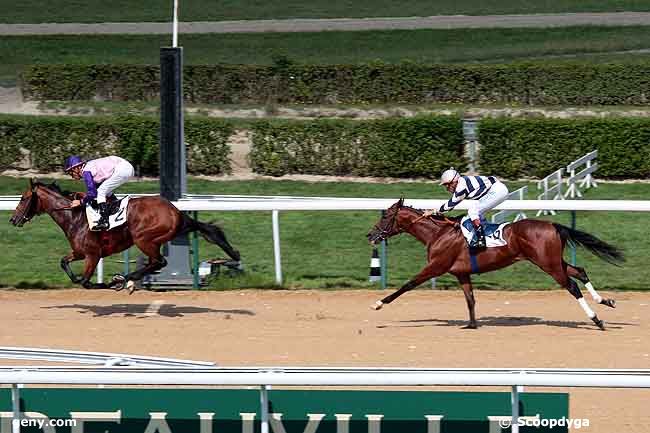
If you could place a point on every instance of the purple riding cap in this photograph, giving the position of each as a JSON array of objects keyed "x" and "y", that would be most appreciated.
[{"x": 72, "y": 162}]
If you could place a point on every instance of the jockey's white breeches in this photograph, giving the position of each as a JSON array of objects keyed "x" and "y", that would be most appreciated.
[
  {"x": 122, "y": 173},
  {"x": 495, "y": 196}
]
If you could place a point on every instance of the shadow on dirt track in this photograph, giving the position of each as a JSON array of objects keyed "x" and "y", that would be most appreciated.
[
  {"x": 146, "y": 310},
  {"x": 505, "y": 321}
]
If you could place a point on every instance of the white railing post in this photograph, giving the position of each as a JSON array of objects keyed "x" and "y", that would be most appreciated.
[
  {"x": 100, "y": 271},
  {"x": 514, "y": 401},
  {"x": 15, "y": 407},
  {"x": 276, "y": 247},
  {"x": 264, "y": 409}
]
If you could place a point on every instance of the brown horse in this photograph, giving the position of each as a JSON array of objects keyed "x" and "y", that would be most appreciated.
[
  {"x": 540, "y": 242},
  {"x": 151, "y": 222}
]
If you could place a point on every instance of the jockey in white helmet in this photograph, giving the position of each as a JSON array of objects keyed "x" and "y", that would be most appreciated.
[{"x": 485, "y": 192}]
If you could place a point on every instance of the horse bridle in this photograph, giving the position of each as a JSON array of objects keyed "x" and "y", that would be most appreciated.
[
  {"x": 384, "y": 233},
  {"x": 31, "y": 207}
]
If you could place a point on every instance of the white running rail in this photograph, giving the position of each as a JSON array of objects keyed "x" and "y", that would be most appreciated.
[{"x": 263, "y": 377}]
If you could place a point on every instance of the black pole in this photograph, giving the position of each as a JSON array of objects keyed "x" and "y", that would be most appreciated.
[
  {"x": 172, "y": 149},
  {"x": 173, "y": 183}
]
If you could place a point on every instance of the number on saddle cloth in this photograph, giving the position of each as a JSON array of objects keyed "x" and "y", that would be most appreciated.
[
  {"x": 117, "y": 213},
  {"x": 493, "y": 233}
]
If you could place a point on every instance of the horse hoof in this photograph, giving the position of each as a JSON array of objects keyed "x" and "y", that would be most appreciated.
[
  {"x": 609, "y": 302},
  {"x": 130, "y": 286},
  {"x": 117, "y": 282},
  {"x": 471, "y": 326},
  {"x": 377, "y": 305},
  {"x": 599, "y": 323}
]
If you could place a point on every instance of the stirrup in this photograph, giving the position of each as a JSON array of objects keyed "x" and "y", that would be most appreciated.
[{"x": 101, "y": 225}]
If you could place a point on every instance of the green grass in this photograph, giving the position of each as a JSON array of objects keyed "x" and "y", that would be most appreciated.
[
  {"x": 34, "y": 11},
  {"x": 425, "y": 46},
  {"x": 329, "y": 249}
]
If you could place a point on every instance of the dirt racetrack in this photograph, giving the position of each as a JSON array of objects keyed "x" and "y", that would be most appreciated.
[{"x": 327, "y": 328}]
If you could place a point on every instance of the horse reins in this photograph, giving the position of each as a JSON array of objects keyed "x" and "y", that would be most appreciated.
[{"x": 444, "y": 220}]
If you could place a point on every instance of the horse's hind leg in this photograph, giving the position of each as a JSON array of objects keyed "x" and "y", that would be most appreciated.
[
  {"x": 561, "y": 275},
  {"x": 156, "y": 262},
  {"x": 580, "y": 274}
]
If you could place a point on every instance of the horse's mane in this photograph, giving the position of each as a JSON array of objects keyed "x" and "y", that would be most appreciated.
[{"x": 54, "y": 187}]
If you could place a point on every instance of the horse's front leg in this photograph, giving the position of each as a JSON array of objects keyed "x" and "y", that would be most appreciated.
[
  {"x": 429, "y": 271},
  {"x": 466, "y": 283},
  {"x": 89, "y": 269},
  {"x": 65, "y": 265}
]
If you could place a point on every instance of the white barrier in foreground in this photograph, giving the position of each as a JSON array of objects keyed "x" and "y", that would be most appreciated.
[
  {"x": 325, "y": 376},
  {"x": 264, "y": 377}
]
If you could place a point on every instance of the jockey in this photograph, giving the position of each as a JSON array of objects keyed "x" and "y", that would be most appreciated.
[
  {"x": 102, "y": 176},
  {"x": 486, "y": 191}
]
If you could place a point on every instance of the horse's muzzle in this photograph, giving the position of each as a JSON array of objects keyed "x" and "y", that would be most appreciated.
[
  {"x": 18, "y": 221},
  {"x": 374, "y": 238}
]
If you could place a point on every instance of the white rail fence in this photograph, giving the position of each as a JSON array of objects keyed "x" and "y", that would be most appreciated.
[
  {"x": 503, "y": 215},
  {"x": 551, "y": 187},
  {"x": 277, "y": 204},
  {"x": 265, "y": 377},
  {"x": 582, "y": 178}
]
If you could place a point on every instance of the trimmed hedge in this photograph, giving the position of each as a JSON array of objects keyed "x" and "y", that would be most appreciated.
[
  {"x": 406, "y": 147},
  {"x": 534, "y": 84},
  {"x": 421, "y": 146},
  {"x": 51, "y": 139},
  {"x": 516, "y": 148}
]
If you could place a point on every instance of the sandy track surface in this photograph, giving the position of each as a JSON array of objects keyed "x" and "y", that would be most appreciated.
[
  {"x": 319, "y": 328},
  {"x": 338, "y": 24}
]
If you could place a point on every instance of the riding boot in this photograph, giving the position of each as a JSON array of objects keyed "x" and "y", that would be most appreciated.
[
  {"x": 102, "y": 224},
  {"x": 480, "y": 235}
]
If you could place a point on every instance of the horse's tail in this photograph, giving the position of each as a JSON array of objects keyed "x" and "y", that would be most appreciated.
[
  {"x": 601, "y": 249},
  {"x": 212, "y": 233}
]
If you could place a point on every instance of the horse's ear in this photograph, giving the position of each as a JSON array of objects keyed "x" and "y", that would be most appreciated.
[
  {"x": 400, "y": 203},
  {"x": 32, "y": 183}
]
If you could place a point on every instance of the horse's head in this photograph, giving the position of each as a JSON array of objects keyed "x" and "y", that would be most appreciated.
[
  {"x": 387, "y": 226},
  {"x": 27, "y": 207},
  {"x": 31, "y": 203}
]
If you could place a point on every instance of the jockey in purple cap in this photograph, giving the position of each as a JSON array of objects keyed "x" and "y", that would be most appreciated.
[
  {"x": 484, "y": 192},
  {"x": 102, "y": 176}
]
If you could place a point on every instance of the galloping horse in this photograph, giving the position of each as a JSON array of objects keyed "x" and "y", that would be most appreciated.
[
  {"x": 151, "y": 221},
  {"x": 540, "y": 242}
]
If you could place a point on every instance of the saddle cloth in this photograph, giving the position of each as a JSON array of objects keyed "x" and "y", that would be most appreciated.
[
  {"x": 117, "y": 213},
  {"x": 493, "y": 233}
]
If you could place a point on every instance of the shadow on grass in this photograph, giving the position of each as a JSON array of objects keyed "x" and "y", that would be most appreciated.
[
  {"x": 146, "y": 310},
  {"x": 506, "y": 321}
]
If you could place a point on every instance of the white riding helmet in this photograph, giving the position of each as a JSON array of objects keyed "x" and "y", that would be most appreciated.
[{"x": 448, "y": 176}]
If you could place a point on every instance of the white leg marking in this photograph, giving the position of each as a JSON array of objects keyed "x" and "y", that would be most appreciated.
[
  {"x": 585, "y": 307},
  {"x": 594, "y": 293}
]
